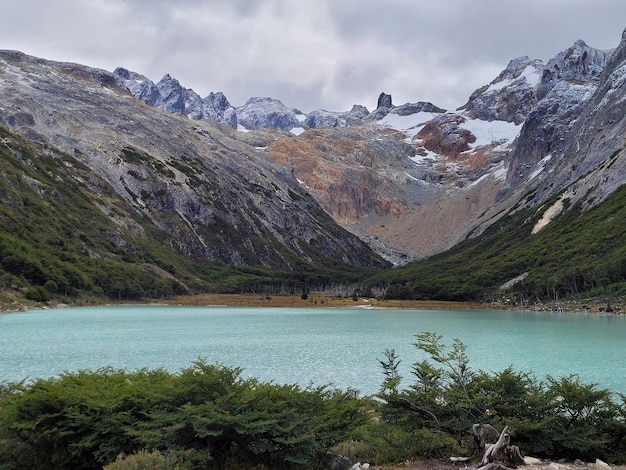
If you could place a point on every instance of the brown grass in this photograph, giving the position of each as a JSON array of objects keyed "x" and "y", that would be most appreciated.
[{"x": 316, "y": 300}]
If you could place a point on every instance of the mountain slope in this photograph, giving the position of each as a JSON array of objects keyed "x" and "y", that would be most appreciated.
[
  {"x": 190, "y": 190},
  {"x": 563, "y": 233},
  {"x": 580, "y": 253}
]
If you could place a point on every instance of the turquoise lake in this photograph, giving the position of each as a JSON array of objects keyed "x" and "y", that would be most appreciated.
[{"x": 338, "y": 347}]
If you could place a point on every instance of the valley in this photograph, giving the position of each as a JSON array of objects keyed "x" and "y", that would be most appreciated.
[{"x": 119, "y": 188}]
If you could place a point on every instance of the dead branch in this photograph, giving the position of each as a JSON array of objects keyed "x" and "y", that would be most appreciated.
[
  {"x": 513, "y": 456},
  {"x": 491, "y": 452},
  {"x": 481, "y": 431}
]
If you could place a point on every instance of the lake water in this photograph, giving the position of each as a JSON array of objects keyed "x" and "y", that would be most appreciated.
[{"x": 340, "y": 347}]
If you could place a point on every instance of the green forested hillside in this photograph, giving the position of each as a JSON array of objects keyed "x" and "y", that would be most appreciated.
[{"x": 579, "y": 253}]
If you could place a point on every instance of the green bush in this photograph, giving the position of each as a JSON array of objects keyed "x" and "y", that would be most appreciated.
[
  {"x": 206, "y": 416},
  {"x": 144, "y": 460},
  {"x": 555, "y": 418}
]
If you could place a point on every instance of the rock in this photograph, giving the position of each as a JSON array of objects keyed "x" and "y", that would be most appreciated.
[
  {"x": 413, "y": 108},
  {"x": 531, "y": 461},
  {"x": 577, "y": 64},
  {"x": 554, "y": 466},
  {"x": 357, "y": 114},
  {"x": 600, "y": 465},
  {"x": 340, "y": 463},
  {"x": 510, "y": 96},
  {"x": 360, "y": 466},
  {"x": 172, "y": 95},
  {"x": 384, "y": 101},
  {"x": 139, "y": 86},
  {"x": 322, "y": 118},
  {"x": 263, "y": 113},
  {"x": 444, "y": 135}
]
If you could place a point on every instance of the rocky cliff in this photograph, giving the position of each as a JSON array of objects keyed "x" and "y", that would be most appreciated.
[
  {"x": 568, "y": 82},
  {"x": 410, "y": 180},
  {"x": 213, "y": 197},
  {"x": 585, "y": 155}
]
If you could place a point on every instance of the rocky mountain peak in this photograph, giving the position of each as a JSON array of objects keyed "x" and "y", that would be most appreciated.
[
  {"x": 568, "y": 82},
  {"x": 263, "y": 112},
  {"x": 168, "y": 94},
  {"x": 384, "y": 101},
  {"x": 511, "y": 95},
  {"x": 172, "y": 95},
  {"x": 578, "y": 64}
]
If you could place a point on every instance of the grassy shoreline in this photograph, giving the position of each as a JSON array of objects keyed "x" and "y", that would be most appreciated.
[
  {"x": 315, "y": 300},
  {"x": 318, "y": 300}
]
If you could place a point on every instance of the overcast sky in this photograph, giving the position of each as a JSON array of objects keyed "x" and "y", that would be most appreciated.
[{"x": 311, "y": 54}]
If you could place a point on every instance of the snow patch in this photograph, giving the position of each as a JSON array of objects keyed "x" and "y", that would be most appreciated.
[
  {"x": 501, "y": 172},
  {"x": 297, "y": 130},
  {"x": 410, "y": 124},
  {"x": 489, "y": 132},
  {"x": 511, "y": 282},
  {"x": 425, "y": 159},
  {"x": 530, "y": 74},
  {"x": 541, "y": 164}
]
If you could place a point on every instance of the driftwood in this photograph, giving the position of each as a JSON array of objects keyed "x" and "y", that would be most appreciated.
[
  {"x": 481, "y": 432},
  {"x": 492, "y": 451},
  {"x": 513, "y": 457}
]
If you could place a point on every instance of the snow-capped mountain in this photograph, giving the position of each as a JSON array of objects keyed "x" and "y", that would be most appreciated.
[
  {"x": 511, "y": 95},
  {"x": 388, "y": 174},
  {"x": 510, "y": 133},
  {"x": 263, "y": 113},
  {"x": 168, "y": 94}
]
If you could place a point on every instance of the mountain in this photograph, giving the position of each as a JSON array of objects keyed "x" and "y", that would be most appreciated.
[
  {"x": 560, "y": 217},
  {"x": 169, "y": 95},
  {"x": 264, "y": 197},
  {"x": 87, "y": 166}
]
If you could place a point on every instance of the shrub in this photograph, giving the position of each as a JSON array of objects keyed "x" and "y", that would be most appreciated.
[
  {"x": 206, "y": 413},
  {"x": 38, "y": 294},
  {"x": 557, "y": 418},
  {"x": 144, "y": 460}
]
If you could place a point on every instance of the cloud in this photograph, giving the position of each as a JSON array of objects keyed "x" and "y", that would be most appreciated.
[{"x": 312, "y": 53}]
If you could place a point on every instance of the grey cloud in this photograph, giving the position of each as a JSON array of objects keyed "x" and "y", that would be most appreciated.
[{"x": 312, "y": 53}]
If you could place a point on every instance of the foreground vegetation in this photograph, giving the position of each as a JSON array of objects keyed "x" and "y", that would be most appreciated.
[{"x": 208, "y": 416}]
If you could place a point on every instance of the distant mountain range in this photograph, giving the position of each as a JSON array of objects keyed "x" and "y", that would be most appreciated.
[{"x": 113, "y": 168}]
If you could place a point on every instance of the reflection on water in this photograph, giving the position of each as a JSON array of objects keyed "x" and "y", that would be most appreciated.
[{"x": 320, "y": 346}]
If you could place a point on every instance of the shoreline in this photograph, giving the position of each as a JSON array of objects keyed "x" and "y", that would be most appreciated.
[
  {"x": 316, "y": 300},
  {"x": 321, "y": 300}
]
